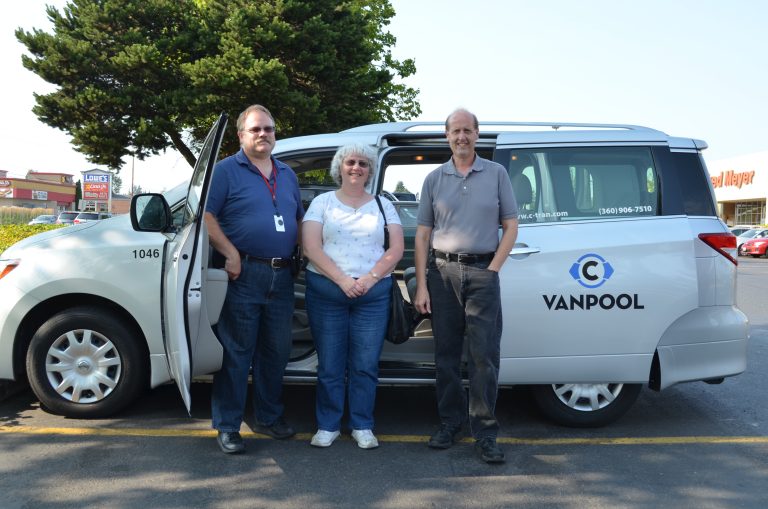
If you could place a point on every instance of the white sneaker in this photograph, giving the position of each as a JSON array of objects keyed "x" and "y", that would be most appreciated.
[
  {"x": 365, "y": 439},
  {"x": 324, "y": 438}
]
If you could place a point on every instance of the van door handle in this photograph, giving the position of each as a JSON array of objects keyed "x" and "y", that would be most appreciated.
[{"x": 524, "y": 250}]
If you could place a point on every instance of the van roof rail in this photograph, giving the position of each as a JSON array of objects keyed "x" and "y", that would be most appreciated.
[{"x": 496, "y": 126}]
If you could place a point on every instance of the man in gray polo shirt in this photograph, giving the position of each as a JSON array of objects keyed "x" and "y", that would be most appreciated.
[{"x": 458, "y": 257}]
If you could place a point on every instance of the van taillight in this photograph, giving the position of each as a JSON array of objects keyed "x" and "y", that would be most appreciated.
[{"x": 720, "y": 242}]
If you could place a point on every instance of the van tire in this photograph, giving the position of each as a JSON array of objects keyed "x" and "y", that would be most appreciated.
[
  {"x": 85, "y": 363},
  {"x": 573, "y": 405}
]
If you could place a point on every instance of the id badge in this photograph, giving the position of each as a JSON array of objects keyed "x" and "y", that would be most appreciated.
[{"x": 279, "y": 223}]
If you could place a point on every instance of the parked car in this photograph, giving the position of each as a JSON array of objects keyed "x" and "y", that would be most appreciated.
[
  {"x": 755, "y": 247},
  {"x": 738, "y": 230},
  {"x": 609, "y": 287},
  {"x": 43, "y": 219},
  {"x": 753, "y": 233},
  {"x": 84, "y": 217},
  {"x": 67, "y": 217}
]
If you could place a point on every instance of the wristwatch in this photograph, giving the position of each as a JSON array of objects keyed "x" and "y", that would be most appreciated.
[{"x": 375, "y": 276}]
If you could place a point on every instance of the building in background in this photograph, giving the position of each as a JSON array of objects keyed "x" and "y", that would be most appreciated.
[
  {"x": 55, "y": 191},
  {"x": 741, "y": 188}
]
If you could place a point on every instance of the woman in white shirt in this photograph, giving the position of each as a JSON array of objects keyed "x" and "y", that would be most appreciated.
[{"x": 348, "y": 293}]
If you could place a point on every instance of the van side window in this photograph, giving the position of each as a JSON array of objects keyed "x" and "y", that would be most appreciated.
[
  {"x": 314, "y": 174},
  {"x": 693, "y": 187},
  {"x": 561, "y": 184}
]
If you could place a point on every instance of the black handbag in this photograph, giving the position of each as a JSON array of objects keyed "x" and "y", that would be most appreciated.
[{"x": 402, "y": 314}]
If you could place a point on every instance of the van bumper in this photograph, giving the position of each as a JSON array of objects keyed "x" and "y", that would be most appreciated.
[
  {"x": 707, "y": 343},
  {"x": 14, "y": 306}
]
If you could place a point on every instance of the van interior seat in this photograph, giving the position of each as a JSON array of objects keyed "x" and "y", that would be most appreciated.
[{"x": 523, "y": 190}]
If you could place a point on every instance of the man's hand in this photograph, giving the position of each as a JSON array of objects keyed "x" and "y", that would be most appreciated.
[
  {"x": 421, "y": 300},
  {"x": 233, "y": 265}
]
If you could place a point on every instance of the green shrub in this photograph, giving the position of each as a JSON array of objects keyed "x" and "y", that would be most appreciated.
[
  {"x": 21, "y": 215},
  {"x": 12, "y": 233}
]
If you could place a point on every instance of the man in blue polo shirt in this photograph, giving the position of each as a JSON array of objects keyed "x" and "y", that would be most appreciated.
[
  {"x": 252, "y": 214},
  {"x": 458, "y": 255}
]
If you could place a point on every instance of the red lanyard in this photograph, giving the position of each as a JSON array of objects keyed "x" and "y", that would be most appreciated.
[{"x": 272, "y": 190}]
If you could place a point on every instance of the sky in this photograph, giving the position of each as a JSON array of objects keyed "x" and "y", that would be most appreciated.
[{"x": 690, "y": 68}]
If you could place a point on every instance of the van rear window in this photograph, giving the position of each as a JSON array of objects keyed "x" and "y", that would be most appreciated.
[{"x": 560, "y": 184}]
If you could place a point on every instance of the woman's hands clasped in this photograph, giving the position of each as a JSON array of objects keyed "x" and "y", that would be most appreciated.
[{"x": 354, "y": 288}]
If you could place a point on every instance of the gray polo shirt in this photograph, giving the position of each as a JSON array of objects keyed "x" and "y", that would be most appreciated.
[{"x": 465, "y": 212}]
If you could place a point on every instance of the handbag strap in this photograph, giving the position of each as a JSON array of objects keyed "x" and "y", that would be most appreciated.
[
  {"x": 386, "y": 227},
  {"x": 381, "y": 209}
]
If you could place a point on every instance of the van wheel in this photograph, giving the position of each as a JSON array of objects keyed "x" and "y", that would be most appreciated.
[
  {"x": 585, "y": 405},
  {"x": 84, "y": 363}
]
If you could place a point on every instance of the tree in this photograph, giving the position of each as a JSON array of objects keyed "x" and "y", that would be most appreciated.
[
  {"x": 117, "y": 183},
  {"x": 400, "y": 187},
  {"x": 136, "y": 77}
]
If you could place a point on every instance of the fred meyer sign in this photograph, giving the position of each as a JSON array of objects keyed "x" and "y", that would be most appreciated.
[
  {"x": 95, "y": 187},
  {"x": 733, "y": 178}
]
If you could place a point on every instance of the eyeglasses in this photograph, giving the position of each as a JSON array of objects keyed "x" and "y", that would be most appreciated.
[
  {"x": 363, "y": 163},
  {"x": 268, "y": 129}
]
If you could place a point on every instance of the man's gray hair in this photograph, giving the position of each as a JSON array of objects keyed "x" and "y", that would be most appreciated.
[{"x": 353, "y": 149}]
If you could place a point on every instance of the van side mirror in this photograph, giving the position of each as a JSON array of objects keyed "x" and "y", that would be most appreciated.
[{"x": 150, "y": 213}]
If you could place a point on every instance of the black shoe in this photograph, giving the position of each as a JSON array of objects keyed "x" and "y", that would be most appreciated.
[
  {"x": 488, "y": 450},
  {"x": 230, "y": 442},
  {"x": 445, "y": 437},
  {"x": 279, "y": 429}
]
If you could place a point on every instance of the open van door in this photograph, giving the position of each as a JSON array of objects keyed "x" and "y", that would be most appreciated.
[{"x": 188, "y": 336}]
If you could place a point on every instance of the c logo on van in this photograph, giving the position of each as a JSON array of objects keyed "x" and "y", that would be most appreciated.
[{"x": 591, "y": 270}]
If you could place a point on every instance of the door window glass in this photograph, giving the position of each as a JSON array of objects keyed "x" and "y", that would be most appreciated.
[
  {"x": 560, "y": 184},
  {"x": 314, "y": 174}
]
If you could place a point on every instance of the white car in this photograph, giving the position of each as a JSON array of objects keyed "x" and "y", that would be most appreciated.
[
  {"x": 84, "y": 217},
  {"x": 622, "y": 276}
]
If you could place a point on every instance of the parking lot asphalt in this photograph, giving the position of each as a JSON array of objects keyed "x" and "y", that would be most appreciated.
[{"x": 694, "y": 446}]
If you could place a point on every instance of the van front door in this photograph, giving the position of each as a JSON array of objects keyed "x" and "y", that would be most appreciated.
[{"x": 190, "y": 344}]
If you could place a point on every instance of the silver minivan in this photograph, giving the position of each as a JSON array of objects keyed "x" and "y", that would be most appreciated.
[{"x": 622, "y": 276}]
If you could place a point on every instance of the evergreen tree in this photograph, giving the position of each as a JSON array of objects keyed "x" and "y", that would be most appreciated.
[{"x": 136, "y": 77}]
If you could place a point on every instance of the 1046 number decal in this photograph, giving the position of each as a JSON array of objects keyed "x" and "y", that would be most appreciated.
[{"x": 146, "y": 253}]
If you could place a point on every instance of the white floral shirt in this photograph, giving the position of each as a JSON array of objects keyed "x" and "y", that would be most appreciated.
[{"x": 352, "y": 238}]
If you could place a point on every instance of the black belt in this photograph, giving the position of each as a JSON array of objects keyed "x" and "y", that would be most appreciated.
[
  {"x": 275, "y": 263},
  {"x": 464, "y": 257}
]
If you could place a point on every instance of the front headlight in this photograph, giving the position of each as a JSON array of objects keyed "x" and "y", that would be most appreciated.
[{"x": 6, "y": 266}]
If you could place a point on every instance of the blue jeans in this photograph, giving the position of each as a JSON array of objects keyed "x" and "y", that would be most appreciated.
[
  {"x": 466, "y": 305},
  {"x": 255, "y": 331},
  {"x": 349, "y": 335}
]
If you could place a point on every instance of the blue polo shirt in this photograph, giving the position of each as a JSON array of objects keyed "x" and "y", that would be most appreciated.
[{"x": 242, "y": 203}]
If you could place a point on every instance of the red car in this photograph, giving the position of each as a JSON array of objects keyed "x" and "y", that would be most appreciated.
[{"x": 755, "y": 247}]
